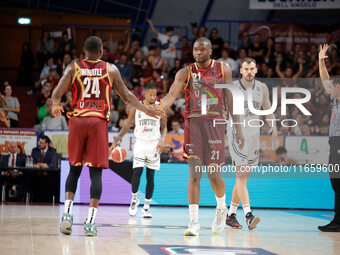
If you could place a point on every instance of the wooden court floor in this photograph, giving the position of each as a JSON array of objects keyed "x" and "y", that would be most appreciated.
[{"x": 33, "y": 229}]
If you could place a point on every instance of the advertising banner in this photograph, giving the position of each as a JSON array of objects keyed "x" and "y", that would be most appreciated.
[
  {"x": 308, "y": 149},
  {"x": 289, "y": 34},
  {"x": 26, "y": 139},
  {"x": 293, "y": 4}
]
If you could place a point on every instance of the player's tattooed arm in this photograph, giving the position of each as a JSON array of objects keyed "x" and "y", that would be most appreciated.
[
  {"x": 63, "y": 86},
  {"x": 127, "y": 96},
  {"x": 180, "y": 79},
  {"x": 227, "y": 75}
]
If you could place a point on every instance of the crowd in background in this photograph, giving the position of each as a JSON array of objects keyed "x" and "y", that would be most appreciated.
[{"x": 158, "y": 61}]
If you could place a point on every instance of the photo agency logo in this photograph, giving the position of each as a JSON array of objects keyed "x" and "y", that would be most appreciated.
[{"x": 239, "y": 106}]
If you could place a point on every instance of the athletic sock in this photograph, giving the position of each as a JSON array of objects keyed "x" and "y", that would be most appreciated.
[
  {"x": 92, "y": 215},
  {"x": 193, "y": 210},
  {"x": 147, "y": 203},
  {"x": 134, "y": 196},
  {"x": 221, "y": 202},
  {"x": 246, "y": 209},
  {"x": 68, "y": 206},
  {"x": 233, "y": 208}
]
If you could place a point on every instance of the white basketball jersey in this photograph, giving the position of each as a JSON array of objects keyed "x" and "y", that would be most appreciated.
[
  {"x": 251, "y": 120},
  {"x": 147, "y": 127}
]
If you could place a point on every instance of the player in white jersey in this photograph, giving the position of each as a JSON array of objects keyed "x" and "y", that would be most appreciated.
[
  {"x": 248, "y": 156},
  {"x": 150, "y": 140}
]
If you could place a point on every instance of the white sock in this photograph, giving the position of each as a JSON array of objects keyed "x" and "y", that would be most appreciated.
[
  {"x": 246, "y": 209},
  {"x": 92, "y": 215},
  {"x": 68, "y": 206},
  {"x": 233, "y": 208},
  {"x": 134, "y": 196},
  {"x": 221, "y": 202},
  {"x": 147, "y": 203},
  {"x": 193, "y": 210}
]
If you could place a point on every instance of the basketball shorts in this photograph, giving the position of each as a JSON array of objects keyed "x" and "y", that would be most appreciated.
[
  {"x": 249, "y": 155},
  {"x": 204, "y": 141},
  {"x": 145, "y": 154},
  {"x": 88, "y": 142}
]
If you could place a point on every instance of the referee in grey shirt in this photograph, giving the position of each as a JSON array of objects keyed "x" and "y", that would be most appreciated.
[{"x": 333, "y": 89}]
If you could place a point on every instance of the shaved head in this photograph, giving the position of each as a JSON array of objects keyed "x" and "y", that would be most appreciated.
[{"x": 206, "y": 42}]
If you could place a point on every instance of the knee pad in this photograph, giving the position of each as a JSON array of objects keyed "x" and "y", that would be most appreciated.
[{"x": 96, "y": 182}]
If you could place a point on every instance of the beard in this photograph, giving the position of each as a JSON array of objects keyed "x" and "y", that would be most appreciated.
[
  {"x": 203, "y": 59},
  {"x": 249, "y": 79}
]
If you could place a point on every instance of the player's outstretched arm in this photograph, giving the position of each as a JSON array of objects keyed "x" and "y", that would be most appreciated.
[
  {"x": 164, "y": 131},
  {"x": 63, "y": 86},
  {"x": 267, "y": 105},
  {"x": 325, "y": 79},
  {"x": 227, "y": 74},
  {"x": 128, "y": 97},
  {"x": 180, "y": 79},
  {"x": 127, "y": 125}
]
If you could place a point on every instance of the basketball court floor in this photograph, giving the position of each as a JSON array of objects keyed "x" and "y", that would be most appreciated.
[{"x": 33, "y": 229}]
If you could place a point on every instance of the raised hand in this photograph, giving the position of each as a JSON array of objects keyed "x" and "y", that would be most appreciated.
[{"x": 323, "y": 51}]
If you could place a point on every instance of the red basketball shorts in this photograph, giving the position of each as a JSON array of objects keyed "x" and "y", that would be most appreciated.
[
  {"x": 88, "y": 142},
  {"x": 204, "y": 141}
]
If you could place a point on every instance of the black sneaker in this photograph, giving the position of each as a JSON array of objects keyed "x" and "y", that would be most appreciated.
[
  {"x": 232, "y": 222},
  {"x": 330, "y": 227},
  {"x": 252, "y": 220}
]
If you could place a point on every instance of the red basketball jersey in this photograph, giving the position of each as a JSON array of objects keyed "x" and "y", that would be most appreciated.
[
  {"x": 91, "y": 90},
  {"x": 201, "y": 81}
]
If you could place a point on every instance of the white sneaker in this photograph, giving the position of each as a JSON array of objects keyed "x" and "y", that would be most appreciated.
[
  {"x": 220, "y": 221},
  {"x": 133, "y": 207},
  {"x": 146, "y": 213},
  {"x": 193, "y": 229}
]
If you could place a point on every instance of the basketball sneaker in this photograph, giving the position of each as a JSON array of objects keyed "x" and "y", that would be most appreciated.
[
  {"x": 146, "y": 213},
  {"x": 193, "y": 229},
  {"x": 90, "y": 229},
  {"x": 232, "y": 222},
  {"x": 133, "y": 207},
  {"x": 252, "y": 220},
  {"x": 330, "y": 227},
  {"x": 219, "y": 222},
  {"x": 66, "y": 224}
]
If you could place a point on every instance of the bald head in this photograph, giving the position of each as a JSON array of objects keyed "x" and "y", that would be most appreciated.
[
  {"x": 202, "y": 50},
  {"x": 13, "y": 147},
  {"x": 203, "y": 40}
]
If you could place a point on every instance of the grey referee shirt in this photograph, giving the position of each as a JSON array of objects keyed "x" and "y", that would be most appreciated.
[{"x": 334, "y": 127}]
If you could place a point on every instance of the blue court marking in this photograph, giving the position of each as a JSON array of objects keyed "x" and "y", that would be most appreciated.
[
  {"x": 156, "y": 249},
  {"x": 324, "y": 215}
]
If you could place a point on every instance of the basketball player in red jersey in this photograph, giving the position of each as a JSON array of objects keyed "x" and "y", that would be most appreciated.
[
  {"x": 204, "y": 143},
  {"x": 90, "y": 80}
]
